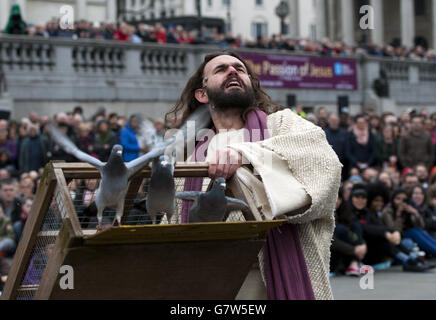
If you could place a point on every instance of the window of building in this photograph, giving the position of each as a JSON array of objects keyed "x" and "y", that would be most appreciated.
[
  {"x": 172, "y": 12},
  {"x": 227, "y": 2},
  {"x": 259, "y": 3},
  {"x": 259, "y": 29},
  {"x": 133, "y": 3},
  {"x": 420, "y": 8},
  {"x": 209, "y": 3}
]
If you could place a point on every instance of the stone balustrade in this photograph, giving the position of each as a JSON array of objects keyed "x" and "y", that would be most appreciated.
[{"x": 52, "y": 74}]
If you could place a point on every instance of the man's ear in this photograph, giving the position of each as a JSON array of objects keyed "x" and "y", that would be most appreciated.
[{"x": 201, "y": 96}]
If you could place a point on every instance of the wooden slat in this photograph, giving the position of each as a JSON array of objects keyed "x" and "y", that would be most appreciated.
[
  {"x": 133, "y": 188},
  {"x": 182, "y": 232},
  {"x": 67, "y": 238},
  {"x": 81, "y": 170},
  {"x": 33, "y": 225},
  {"x": 55, "y": 233},
  {"x": 67, "y": 202}
]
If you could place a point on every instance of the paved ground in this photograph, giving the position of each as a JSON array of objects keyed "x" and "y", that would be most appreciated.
[{"x": 391, "y": 284}]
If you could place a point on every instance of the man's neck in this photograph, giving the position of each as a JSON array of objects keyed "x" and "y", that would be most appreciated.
[{"x": 229, "y": 120}]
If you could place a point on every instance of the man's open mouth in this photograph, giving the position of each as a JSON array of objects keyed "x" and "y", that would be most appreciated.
[{"x": 233, "y": 83}]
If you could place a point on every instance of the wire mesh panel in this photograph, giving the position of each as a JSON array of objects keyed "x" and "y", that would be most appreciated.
[
  {"x": 83, "y": 192},
  {"x": 42, "y": 247}
]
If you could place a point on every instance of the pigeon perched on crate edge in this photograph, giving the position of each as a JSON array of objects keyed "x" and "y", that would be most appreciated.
[
  {"x": 211, "y": 206},
  {"x": 160, "y": 196},
  {"x": 115, "y": 174}
]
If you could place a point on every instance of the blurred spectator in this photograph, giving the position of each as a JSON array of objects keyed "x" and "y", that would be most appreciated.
[
  {"x": 417, "y": 233},
  {"x": 430, "y": 220},
  {"x": 416, "y": 146},
  {"x": 360, "y": 144},
  {"x": 129, "y": 140},
  {"x": 122, "y": 33},
  {"x": 348, "y": 247},
  {"x": 410, "y": 179},
  {"x": 7, "y": 236},
  {"x": 160, "y": 33},
  {"x": 8, "y": 146},
  {"x": 33, "y": 151},
  {"x": 85, "y": 138},
  {"x": 368, "y": 205},
  {"x": 422, "y": 174},
  {"x": 336, "y": 137},
  {"x": 4, "y": 270},
  {"x": 10, "y": 203},
  {"x": 104, "y": 140},
  {"x": 386, "y": 149},
  {"x": 16, "y": 25}
]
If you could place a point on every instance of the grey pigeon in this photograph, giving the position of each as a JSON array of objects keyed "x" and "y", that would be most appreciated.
[
  {"x": 211, "y": 206},
  {"x": 115, "y": 174},
  {"x": 161, "y": 191}
]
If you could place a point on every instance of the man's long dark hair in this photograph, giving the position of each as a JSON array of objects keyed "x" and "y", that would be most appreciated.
[{"x": 187, "y": 102}]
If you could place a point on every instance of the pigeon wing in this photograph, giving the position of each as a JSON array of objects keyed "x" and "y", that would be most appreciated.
[
  {"x": 236, "y": 204},
  {"x": 68, "y": 146},
  {"x": 148, "y": 134},
  {"x": 188, "y": 195},
  {"x": 139, "y": 163}
]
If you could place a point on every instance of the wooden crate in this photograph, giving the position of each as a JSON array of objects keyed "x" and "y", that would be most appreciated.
[{"x": 166, "y": 261}]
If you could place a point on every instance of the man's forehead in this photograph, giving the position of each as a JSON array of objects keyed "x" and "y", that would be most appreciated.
[{"x": 223, "y": 59}]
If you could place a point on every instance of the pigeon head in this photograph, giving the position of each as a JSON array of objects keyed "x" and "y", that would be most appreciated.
[
  {"x": 164, "y": 160},
  {"x": 117, "y": 151},
  {"x": 219, "y": 184}
]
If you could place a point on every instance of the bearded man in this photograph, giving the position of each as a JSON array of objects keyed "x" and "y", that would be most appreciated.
[{"x": 300, "y": 180}]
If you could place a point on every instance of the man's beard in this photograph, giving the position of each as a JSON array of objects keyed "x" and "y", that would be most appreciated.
[{"x": 235, "y": 99}]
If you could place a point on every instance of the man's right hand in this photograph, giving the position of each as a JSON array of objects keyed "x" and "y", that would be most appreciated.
[{"x": 225, "y": 163}]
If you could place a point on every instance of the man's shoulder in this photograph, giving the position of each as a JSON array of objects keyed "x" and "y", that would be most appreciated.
[{"x": 288, "y": 121}]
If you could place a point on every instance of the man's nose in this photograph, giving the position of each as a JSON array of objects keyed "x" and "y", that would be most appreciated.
[{"x": 232, "y": 70}]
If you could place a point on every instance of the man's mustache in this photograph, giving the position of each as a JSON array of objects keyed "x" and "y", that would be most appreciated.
[{"x": 230, "y": 78}]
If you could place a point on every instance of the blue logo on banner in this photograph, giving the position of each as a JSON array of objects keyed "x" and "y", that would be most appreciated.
[{"x": 338, "y": 69}]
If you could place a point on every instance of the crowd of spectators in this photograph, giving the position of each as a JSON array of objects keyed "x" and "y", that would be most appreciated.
[
  {"x": 26, "y": 147},
  {"x": 386, "y": 209},
  {"x": 172, "y": 34}
]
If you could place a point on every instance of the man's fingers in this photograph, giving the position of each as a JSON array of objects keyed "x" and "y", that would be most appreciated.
[
  {"x": 225, "y": 163},
  {"x": 213, "y": 165}
]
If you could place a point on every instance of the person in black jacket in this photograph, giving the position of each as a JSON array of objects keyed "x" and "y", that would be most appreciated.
[
  {"x": 10, "y": 203},
  {"x": 348, "y": 247},
  {"x": 360, "y": 144},
  {"x": 337, "y": 138},
  {"x": 430, "y": 219},
  {"x": 383, "y": 243}
]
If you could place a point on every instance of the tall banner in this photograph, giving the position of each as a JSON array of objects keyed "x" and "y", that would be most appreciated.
[{"x": 303, "y": 72}]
